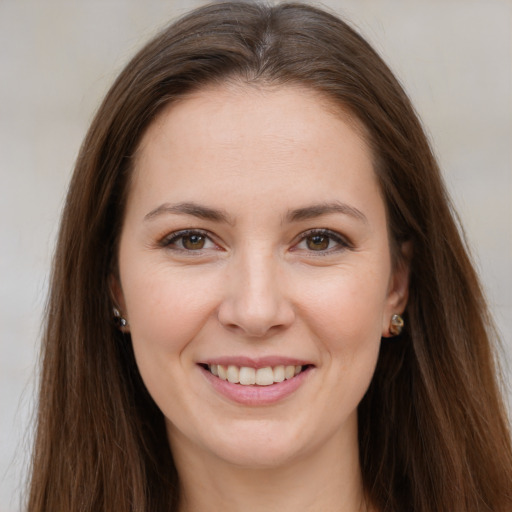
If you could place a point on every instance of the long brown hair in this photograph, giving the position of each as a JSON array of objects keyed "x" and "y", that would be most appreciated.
[{"x": 433, "y": 431}]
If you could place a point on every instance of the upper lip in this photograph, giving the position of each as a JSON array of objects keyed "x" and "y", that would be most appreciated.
[{"x": 258, "y": 362}]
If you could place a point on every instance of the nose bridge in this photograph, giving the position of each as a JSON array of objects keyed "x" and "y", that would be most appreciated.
[{"x": 256, "y": 300}]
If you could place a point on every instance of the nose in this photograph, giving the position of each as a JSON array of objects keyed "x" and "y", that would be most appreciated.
[{"x": 255, "y": 301}]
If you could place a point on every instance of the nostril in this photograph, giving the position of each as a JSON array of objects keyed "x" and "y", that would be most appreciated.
[{"x": 255, "y": 305}]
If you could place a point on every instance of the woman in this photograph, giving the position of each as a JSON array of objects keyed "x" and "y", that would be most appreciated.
[{"x": 260, "y": 297}]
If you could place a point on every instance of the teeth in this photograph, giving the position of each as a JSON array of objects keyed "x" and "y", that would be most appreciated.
[
  {"x": 233, "y": 374},
  {"x": 289, "y": 372},
  {"x": 264, "y": 376},
  {"x": 221, "y": 372},
  {"x": 247, "y": 376},
  {"x": 279, "y": 373}
]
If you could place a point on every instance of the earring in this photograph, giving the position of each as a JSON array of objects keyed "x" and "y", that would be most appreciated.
[
  {"x": 120, "y": 320},
  {"x": 396, "y": 325}
]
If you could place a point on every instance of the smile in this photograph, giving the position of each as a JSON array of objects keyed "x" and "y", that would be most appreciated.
[
  {"x": 256, "y": 382},
  {"x": 248, "y": 376}
]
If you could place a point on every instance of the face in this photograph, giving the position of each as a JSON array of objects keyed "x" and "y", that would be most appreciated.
[{"x": 255, "y": 273}]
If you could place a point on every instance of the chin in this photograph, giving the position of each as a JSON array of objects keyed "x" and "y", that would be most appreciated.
[
  {"x": 262, "y": 445},
  {"x": 255, "y": 455},
  {"x": 251, "y": 444}
]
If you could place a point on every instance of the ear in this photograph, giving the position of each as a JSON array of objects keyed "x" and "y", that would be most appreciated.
[
  {"x": 118, "y": 303},
  {"x": 398, "y": 291}
]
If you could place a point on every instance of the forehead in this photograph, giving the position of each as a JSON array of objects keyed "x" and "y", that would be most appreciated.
[
  {"x": 232, "y": 137},
  {"x": 217, "y": 98}
]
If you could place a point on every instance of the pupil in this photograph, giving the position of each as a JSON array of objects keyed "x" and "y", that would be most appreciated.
[
  {"x": 193, "y": 242},
  {"x": 318, "y": 242}
]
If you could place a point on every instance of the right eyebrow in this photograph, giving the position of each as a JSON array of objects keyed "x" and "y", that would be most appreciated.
[
  {"x": 190, "y": 208},
  {"x": 317, "y": 210}
]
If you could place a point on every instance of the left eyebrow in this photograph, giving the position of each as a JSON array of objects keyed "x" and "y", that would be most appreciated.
[
  {"x": 317, "y": 210},
  {"x": 193, "y": 209}
]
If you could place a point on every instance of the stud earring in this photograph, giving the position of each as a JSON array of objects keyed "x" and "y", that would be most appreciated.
[
  {"x": 120, "y": 320},
  {"x": 396, "y": 325}
]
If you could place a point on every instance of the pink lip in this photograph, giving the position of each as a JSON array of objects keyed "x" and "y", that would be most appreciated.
[
  {"x": 259, "y": 362},
  {"x": 256, "y": 395}
]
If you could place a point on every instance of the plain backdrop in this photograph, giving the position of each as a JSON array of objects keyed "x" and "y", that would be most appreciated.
[{"x": 57, "y": 59}]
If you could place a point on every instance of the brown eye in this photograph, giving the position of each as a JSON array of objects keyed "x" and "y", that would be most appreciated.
[
  {"x": 321, "y": 241},
  {"x": 318, "y": 242},
  {"x": 189, "y": 241},
  {"x": 193, "y": 242}
]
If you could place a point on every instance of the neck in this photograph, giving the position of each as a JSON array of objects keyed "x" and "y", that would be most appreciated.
[{"x": 326, "y": 480}]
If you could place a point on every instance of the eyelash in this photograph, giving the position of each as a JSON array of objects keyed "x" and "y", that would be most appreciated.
[
  {"x": 171, "y": 241},
  {"x": 341, "y": 242}
]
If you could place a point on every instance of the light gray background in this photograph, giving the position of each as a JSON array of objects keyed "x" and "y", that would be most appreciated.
[{"x": 57, "y": 59}]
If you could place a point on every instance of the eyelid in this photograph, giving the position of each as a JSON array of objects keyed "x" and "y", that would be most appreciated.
[
  {"x": 168, "y": 240},
  {"x": 342, "y": 241}
]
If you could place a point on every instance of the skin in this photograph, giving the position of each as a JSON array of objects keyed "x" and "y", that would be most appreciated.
[{"x": 258, "y": 284}]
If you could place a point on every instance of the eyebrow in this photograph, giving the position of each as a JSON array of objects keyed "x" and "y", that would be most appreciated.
[
  {"x": 216, "y": 215},
  {"x": 196, "y": 210},
  {"x": 317, "y": 210}
]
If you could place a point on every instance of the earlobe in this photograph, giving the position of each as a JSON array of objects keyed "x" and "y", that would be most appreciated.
[
  {"x": 396, "y": 325},
  {"x": 118, "y": 304},
  {"x": 121, "y": 322},
  {"x": 398, "y": 292}
]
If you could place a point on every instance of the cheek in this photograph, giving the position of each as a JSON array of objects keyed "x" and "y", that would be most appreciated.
[
  {"x": 344, "y": 313},
  {"x": 347, "y": 306},
  {"x": 165, "y": 315},
  {"x": 166, "y": 310}
]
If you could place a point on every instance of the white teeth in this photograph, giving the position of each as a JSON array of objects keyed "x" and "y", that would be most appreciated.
[
  {"x": 248, "y": 376},
  {"x": 264, "y": 376},
  {"x": 222, "y": 372},
  {"x": 233, "y": 374},
  {"x": 279, "y": 373},
  {"x": 289, "y": 372}
]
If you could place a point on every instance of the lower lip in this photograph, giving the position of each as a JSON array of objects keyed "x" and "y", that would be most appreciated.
[{"x": 256, "y": 395}]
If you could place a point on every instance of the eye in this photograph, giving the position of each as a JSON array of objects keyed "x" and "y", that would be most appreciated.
[
  {"x": 322, "y": 240},
  {"x": 189, "y": 240},
  {"x": 318, "y": 242}
]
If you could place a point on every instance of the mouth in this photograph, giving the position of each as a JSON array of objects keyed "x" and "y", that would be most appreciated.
[{"x": 249, "y": 376}]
